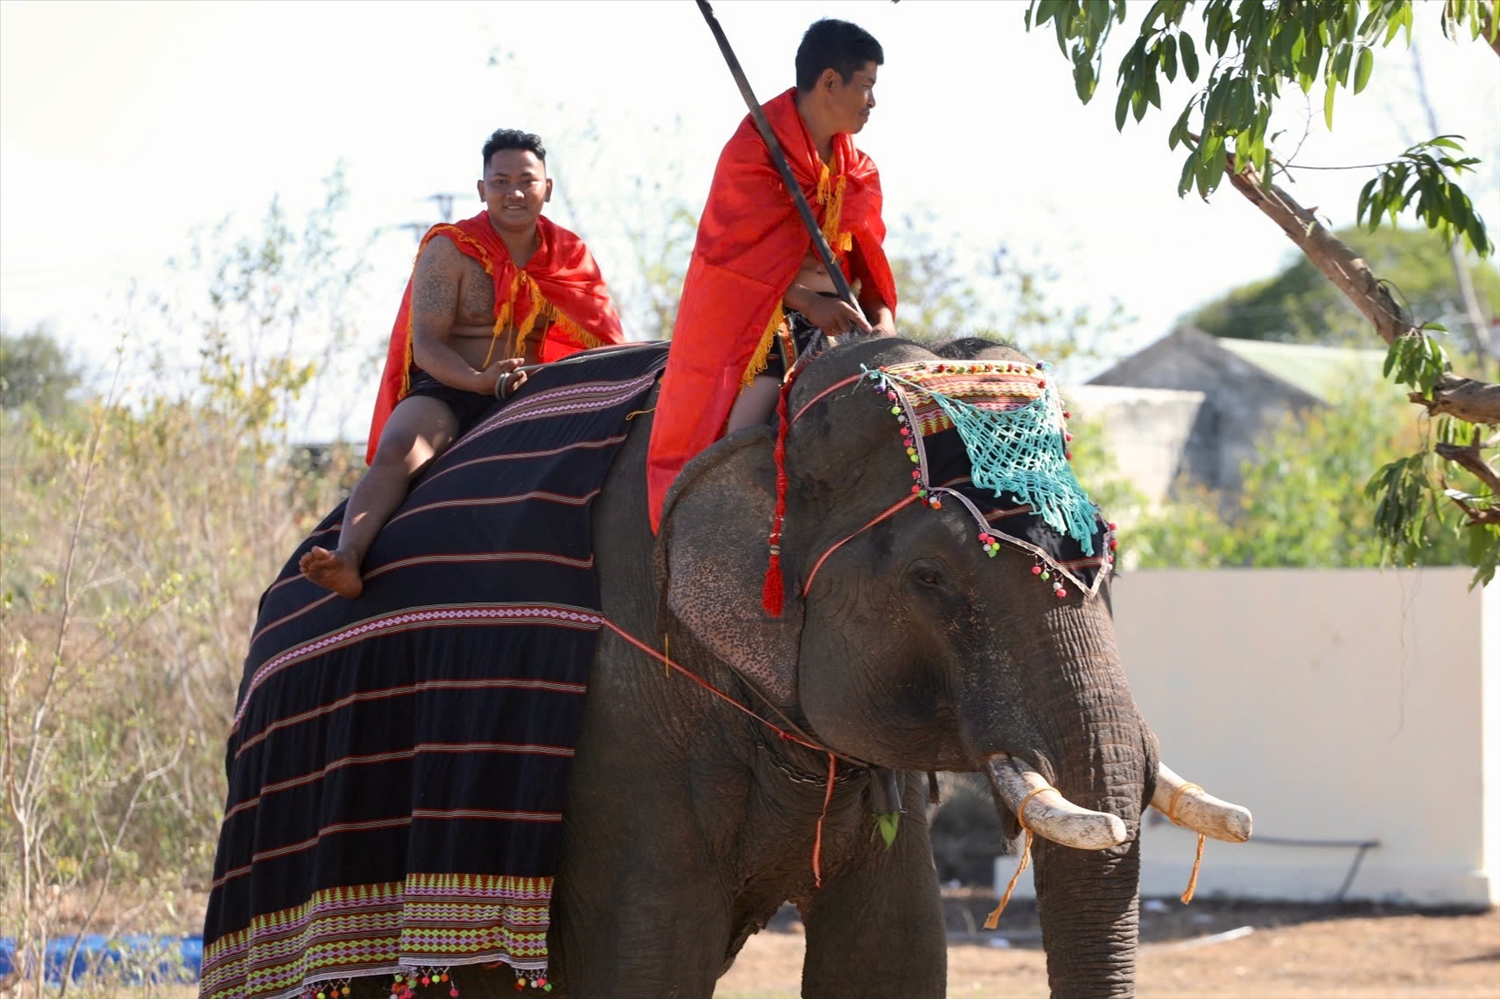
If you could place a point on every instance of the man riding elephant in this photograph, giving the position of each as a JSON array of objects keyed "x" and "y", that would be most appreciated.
[
  {"x": 489, "y": 294},
  {"x": 755, "y": 290}
]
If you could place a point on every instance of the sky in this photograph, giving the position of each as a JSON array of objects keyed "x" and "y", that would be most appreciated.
[{"x": 123, "y": 126}]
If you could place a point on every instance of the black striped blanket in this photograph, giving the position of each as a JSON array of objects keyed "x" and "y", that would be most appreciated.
[{"x": 397, "y": 763}]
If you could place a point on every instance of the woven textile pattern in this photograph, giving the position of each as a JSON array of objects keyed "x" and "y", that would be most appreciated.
[
  {"x": 1011, "y": 422},
  {"x": 398, "y": 763}
]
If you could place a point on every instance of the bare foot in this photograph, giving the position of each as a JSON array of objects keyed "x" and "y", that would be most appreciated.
[{"x": 332, "y": 570}]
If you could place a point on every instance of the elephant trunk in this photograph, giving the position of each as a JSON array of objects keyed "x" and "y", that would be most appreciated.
[{"x": 1103, "y": 759}]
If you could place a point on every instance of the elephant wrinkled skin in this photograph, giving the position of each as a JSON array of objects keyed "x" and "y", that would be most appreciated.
[{"x": 689, "y": 823}]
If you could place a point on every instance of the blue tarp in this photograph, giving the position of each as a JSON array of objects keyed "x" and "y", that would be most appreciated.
[{"x": 134, "y": 959}]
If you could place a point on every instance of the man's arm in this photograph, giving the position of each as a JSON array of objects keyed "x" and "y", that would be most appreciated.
[
  {"x": 833, "y": 316},
  {"x": 882, "y": 319},
  {"x": 434, "y": 306}
]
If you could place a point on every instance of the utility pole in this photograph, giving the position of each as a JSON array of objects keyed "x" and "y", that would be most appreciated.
[{"x": 443, "y": 200}]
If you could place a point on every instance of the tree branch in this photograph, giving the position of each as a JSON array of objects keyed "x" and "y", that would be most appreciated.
[
  {"x": 1463, "y": 398},
  {"x": 1331, "y": 255},
  {"x": 1469, "y": 457}
]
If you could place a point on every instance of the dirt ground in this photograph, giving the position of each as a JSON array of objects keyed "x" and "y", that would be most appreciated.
[
  {"x": 1223, "y": 950},
  {"x": 1210, "y": 948}
]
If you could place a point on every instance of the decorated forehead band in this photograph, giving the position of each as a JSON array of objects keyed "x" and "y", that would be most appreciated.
[{"x": 1014, "y": 430}]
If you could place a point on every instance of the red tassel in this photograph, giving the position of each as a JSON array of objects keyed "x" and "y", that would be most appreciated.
[{"x": 773, "y": 593}]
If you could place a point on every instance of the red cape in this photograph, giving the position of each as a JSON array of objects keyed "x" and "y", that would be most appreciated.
[
  {"x": 751, "y": 243},
  {"x": 561, "y": 275}
]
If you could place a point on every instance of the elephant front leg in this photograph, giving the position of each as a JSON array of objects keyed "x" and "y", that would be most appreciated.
[
  {"x": 637, "y": 907},
  {"x": 875, "y": 928}
]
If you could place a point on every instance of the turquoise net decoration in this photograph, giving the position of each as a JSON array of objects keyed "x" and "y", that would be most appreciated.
[{"x": 1015, "y": 438}]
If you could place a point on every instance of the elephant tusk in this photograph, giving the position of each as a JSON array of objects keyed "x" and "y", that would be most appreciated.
[
  {"x": 1046, "y": 812},
  {"x": 1190, "y": 806}
]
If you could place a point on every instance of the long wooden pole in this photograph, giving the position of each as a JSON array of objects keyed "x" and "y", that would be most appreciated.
[{"x": 825, "y": 253}]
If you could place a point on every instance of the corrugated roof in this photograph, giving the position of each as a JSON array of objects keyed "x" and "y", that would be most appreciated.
[{"x": 1312, "y": 368}]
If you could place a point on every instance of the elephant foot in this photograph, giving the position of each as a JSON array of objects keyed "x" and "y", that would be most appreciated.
[{"x": 332, "y": 570}]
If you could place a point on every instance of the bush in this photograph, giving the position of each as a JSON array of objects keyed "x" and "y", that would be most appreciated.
[{"x": 135, "y": 542}]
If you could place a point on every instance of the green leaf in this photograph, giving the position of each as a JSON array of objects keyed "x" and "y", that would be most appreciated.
[
  {"x": 1212, "y": 173},
  {"x": 1328, "y": 105},
  {"x": 1122, "y": 108},
  {"x": 1083, "y": 80},
  {"x": 1341, "y": 63},
  {"x": 1168, "y": 56},
  {"x": 1189, "y": 56},
  {"x": 1179, "y": 130},
  {"x": 1363, "y": 69},
  {"x": 1189, "y": 169},
  {"x": 888, "y": 823}
]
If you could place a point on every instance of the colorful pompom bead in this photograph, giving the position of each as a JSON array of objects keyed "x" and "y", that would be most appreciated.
[
  {"x": 1036, "y": 570},
  {"x": 1046, "y": 574},
  {"x": 1061, "y": 593}
]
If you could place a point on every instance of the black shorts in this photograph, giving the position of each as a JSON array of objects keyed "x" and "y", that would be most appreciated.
[
  {"x": 801, "y": 332},
  {"x": 466, "y": 406}
]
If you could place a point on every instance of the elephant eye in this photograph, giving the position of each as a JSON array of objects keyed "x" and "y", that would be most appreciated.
[{"x": 927, "y": 574}]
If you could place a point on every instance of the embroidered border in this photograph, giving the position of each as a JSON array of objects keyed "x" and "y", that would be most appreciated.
[{"x": 348, "y": 932}]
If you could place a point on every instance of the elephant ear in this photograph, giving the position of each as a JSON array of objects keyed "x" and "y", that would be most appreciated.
[{"x": 711, "y": 554}]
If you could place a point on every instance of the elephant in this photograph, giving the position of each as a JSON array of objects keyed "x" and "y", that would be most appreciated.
[{"x": 690, "y": 820}]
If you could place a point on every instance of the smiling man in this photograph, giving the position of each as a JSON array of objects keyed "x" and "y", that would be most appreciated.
[
  {"x": 756, "y": 291},
  {"x": 489, "y": 295}
]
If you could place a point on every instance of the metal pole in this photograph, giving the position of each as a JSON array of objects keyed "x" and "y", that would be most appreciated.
[{"x": 779, "y": 158}]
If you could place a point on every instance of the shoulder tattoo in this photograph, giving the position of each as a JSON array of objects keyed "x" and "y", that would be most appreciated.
[{"x": 435, "y": 286}]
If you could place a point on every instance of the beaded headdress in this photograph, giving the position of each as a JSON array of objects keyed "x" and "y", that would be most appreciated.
[{"x": 1010, "y": 464}]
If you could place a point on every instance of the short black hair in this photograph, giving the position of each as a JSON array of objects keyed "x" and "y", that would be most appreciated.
[
  {"x": 838, "y": 45},
  {"x": 513, "y": 138}
]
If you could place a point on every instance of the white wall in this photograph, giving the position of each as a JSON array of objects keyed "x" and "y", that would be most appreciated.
[
  {"x": 1335, "y": 704},
  {"x": 1146, "y": 431}
]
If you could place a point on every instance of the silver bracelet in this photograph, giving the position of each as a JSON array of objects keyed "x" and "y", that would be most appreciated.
[{"x": 502, "y": 385}]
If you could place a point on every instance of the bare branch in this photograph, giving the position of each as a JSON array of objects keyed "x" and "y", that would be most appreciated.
[
  {"x": 1463, "y": 398},
  {"x": 1331, "y": 255},
  {"x": 1469, "y": 457}
]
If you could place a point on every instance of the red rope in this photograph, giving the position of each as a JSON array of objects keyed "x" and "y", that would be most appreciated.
[
  {"x": 817, "y": 855},
  {"x": 783, "y": 733},
  {"x": 817, "y": 858},
  {"x": 807, "y": 587},
  {"x": 773, "y": 590},
  {"x": 828, "y": 391}
]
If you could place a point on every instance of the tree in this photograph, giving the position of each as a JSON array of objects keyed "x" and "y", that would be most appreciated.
[
  {"x": 1301, "y": 503},
  {"x": 35, "y": 370},
  {"x": 1260, "y": 50},
  {"x": 1297, "y": 305}
]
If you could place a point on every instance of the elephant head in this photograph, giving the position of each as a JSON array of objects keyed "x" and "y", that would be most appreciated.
[{"x": 905, "y": 643}]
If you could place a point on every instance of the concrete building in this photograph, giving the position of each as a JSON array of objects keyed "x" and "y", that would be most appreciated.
[{"x": 1195, "y": 405}]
